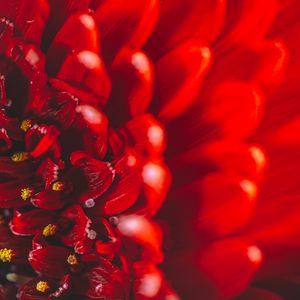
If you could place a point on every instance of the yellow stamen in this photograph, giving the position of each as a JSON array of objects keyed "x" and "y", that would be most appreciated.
[
  {"x": 6, "y": 255},
  {"x": 26, "y": 125},
  {"x": 26, "y": 193},
  {"x": 72, "y": 260},
  {"x": 20, "y": 156},
  {"x": 58, "y": 186},
  {"x": 42, "y": 286},
  {"x": 49, "y": 230}
]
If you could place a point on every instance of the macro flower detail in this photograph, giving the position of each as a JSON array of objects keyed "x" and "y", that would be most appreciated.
[
  {"x": 102, "y": 102},
  {"x": 81, "y": 163}
]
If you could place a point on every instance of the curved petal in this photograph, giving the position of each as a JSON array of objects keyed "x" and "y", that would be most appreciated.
[
  {"x": 182, "y": 20},
  {"x": 230, "y": 264},
  {"x": 84, "y": 72},
  {"x": 133, "y": 77},
  {"x": 86, "y": 39},
  {"x": 29, "y": 223},
  {"x": 125, "y": 24},
  {"x": 179, "y": 75},
  {"x": 50, "y": 261}
]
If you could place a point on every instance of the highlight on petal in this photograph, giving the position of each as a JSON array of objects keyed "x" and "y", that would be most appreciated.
[
  {"x": 157, "y": 180},
  {"x": 226, "y": 203},
  {"x": 146, "y": 133},
  {"x": 65, "y": 42},
  {"x": 133, "y": 77},
  {"x": 125, "y": 24},
  {"x": 84, "y": 76},
  {"x": 231, "y": 264},
  {"x": 237, "y": 107},
  {"x": 126, "y": 187},
  {"x": 179, "y": 75},
  {"x": 144, "y": 232}
]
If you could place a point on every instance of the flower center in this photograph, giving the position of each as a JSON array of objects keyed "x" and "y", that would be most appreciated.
[
  {"x": 26, "y": 193},
  {"x": 72, "y": 260},
  {"x": 49, "y": 230},
  {"x": 42, "y": 286},
  {"x": 20, "y": 156},
  {"x": 6, "y": 255}
]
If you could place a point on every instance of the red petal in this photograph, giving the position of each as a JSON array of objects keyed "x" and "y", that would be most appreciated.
[
  {"x": 60, "y": 11},
  {"x": 29, "y": 223},
  {"x": 248, "y": 21},
  {"x": 31, "y": 19},
  {"x": 146, "y": 133},
  {"x": 117, "y": 142},
  {"x": 50, "y": 200},
  {"x": 94, "y": 118},
  {"x": 133, "y": 79},
  {"x": 145, "y": 233},
  {"x": 111, "y": 285},
  {"x": 49, "y": 171},
  {"x": 231, "y": 264},
  {"x": 11, "y": 169},
  {"x": 245, "y": 160},
  {"x": 65, "y": 42},
  {"x": 237, "y": 107},
  {"x": 50, "y": 261},
  {"x": 178, "y": 78},
  {"x": 5, "y": 140},
  {"x": 47, "y": 138},
  {"x": 273, "y": 61},
  {"x": 85, "y": 71},
  {"x": 227, "y": 203},
  {"x": 157, "y": 180},
  {"x": 56, "y": 107},
  {"x": 56, "y": 290},
  {"x": 180, "y": 21},
  {"x": 19, "y": 245},
  {"x": 31, "y": 61},
  {"x": 98, "y": 175},
  {"x": 10, "y": 194},
  {"x": 29, "y": 16},
  {"x": 126, "y": 187},
  {"x": 125, "y": 24},
  {"x": 78, "y": 236},
  {"x": 148, "y": 282}
]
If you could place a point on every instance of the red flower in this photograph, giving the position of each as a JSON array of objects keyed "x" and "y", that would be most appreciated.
[{"x": 89, "y": 92}]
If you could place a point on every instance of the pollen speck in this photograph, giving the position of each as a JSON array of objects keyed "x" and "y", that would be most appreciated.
[
  {"x": 26, "y": 125},
  {"x": 49, "y": 230},
  {"x": 26, "y": 193},
  {"x": 72, "y": 260},
  {"x": 6, "y": 255},
  {"x": 58, "y": 186},
  {"x": 20, "y": 156},
  {"x": 42, "y": 286}
]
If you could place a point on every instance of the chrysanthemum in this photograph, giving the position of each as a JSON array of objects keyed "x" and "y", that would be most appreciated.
[{"x": 90, "y": 92}]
